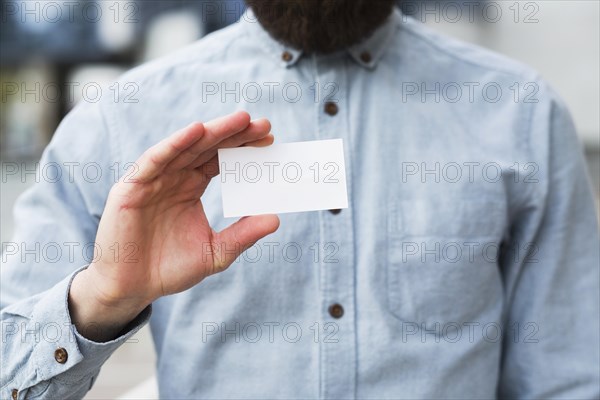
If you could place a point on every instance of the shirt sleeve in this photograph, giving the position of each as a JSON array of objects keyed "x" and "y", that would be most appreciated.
[
  {"x": 43, "y": 355},
  {"x": 551, "y": 269}
]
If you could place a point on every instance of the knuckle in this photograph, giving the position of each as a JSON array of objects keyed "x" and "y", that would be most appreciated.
[{"x": 196, "y": 126}]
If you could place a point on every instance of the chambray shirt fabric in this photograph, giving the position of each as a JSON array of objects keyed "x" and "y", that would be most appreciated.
[{"x": 467, "y": 262}]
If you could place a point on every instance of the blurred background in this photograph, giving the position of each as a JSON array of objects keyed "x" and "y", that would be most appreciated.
[{"x": 54, "y": 54}]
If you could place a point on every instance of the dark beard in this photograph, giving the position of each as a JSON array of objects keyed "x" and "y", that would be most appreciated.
[{"x": 320, "y": 26}]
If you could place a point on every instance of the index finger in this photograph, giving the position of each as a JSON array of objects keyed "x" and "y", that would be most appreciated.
[{"x": 190, "y": 141}]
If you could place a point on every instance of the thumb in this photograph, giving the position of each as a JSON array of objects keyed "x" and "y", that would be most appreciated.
[{"x": 239, "y": 236}]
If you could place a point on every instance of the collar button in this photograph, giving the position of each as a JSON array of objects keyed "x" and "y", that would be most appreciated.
[
  {"x": 287, "y": 56},
  {"x": 365, "y": 57}
]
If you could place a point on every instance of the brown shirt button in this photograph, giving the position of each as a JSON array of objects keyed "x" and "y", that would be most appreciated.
[
  {"x": 331, "y": 108},
  {"x": 287, "y": 56},
  {"x": 365, "y": 56},
  {"x": 336, "y": 310},
  {"x": 335, "y": 211},
  {"x": 14, "y": 394},
  {"x": 61, "y": 355}
]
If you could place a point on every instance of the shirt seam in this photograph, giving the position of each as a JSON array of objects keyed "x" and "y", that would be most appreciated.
[
  {"x": 479, "y": 64},
  {"x": 150, "y": 72}
]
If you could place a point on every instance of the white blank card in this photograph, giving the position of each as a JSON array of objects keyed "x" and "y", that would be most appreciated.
[{"x": 281, "y": 178}]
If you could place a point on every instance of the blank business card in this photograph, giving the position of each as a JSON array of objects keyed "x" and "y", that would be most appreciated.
[{"x": 282, "y": 178}]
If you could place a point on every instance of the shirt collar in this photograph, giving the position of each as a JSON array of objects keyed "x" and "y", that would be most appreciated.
[{"x": 366, "y": 53}]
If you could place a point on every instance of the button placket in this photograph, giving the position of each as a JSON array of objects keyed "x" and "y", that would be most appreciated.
[{"x": 338, "y": 360}]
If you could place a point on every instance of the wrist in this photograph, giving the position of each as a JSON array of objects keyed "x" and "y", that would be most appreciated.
[{"x": 97, "y": 316}]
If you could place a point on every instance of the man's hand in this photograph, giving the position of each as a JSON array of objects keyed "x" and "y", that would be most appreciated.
[{"x": 154, "y": 235}]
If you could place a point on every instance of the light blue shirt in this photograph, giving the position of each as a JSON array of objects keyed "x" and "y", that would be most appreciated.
[{"x": 466, "y": 266}]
